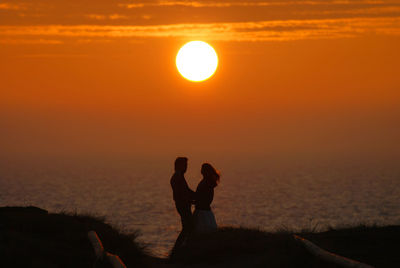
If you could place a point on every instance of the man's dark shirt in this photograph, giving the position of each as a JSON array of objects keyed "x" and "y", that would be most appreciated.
[{"x": 183, "y": 196}]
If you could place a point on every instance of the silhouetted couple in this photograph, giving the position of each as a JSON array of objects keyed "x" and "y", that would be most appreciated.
[{"x": 202, "y": 220}]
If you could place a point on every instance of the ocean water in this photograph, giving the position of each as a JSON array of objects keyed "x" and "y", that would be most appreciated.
[{"x": 135, "y": 194}]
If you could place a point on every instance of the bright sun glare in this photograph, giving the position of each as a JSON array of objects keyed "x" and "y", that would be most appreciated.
[{"x": 197, "y": 61}]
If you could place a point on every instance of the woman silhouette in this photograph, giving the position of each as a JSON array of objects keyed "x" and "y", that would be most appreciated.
[{"x": 204, "y": 219}]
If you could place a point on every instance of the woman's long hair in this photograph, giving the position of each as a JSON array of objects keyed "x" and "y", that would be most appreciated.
[{"x": 210, "y": 174}]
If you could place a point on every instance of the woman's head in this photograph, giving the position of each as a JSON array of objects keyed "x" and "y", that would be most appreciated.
[{"x": 210, "y": 173}]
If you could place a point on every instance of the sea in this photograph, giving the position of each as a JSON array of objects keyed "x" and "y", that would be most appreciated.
[{"x": 134, "y": 194}]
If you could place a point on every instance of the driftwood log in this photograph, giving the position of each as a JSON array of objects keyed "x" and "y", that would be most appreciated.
[
  {"x": 328, "y": 256},
  {"x": 101, "y": 254}
]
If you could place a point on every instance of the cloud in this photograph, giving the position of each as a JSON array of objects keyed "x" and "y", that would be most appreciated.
[
  {"x": 146, "y": 17},
  {"x": 53, "y": 55},
  {"x": 372, "y": 10},
  {"x": 8, "y": 6},
  {"x": 30, "y": 41},
  {"x": 106, "y": 17},
  {"x": 278, "y": 30},
  {"x": 143, "y": 12},
  {"x": 224, "y": 4}
]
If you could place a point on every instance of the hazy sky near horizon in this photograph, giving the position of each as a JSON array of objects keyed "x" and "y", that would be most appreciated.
[{"x": 295, "y": 77}]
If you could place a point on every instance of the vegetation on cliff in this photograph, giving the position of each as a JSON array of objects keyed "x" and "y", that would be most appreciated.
[{"x": 32, "y": 237}]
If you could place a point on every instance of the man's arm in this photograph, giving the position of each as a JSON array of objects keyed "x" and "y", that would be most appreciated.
[
  {"x": 181, "y": 191},
  {"x": 192, "y": 196},
  {"x": 189, "y": 193}
]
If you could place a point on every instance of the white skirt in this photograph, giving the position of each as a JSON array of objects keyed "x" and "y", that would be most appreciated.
[{"x": 204, "y": 221}]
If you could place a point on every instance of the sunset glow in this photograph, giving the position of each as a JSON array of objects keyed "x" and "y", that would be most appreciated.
[
  {"x": 197, "y": 61},
  {"x": 298, "y": 76},
  {"x": 135, "y": 111}
]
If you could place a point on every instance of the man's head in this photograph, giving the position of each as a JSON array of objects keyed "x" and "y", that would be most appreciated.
[{"x": 181, "y": 164}]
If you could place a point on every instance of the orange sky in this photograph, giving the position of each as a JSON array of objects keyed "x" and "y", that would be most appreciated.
[{"x": 295, "y": 77}]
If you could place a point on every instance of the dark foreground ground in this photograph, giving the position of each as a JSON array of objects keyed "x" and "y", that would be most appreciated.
[{"x": 31, "y": 237}]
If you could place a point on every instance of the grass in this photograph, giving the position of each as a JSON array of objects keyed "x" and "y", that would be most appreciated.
[
  {"x": 374, "y": 245},
  {"x": 31, "y": 237},
  {"x": 240, "y": 247}
]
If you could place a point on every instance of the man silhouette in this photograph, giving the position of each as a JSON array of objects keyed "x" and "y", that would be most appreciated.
[{"x": 183, "y": 197}]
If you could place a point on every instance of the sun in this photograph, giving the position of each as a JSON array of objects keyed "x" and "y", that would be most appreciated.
[{"x": 197, "y": 61}]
